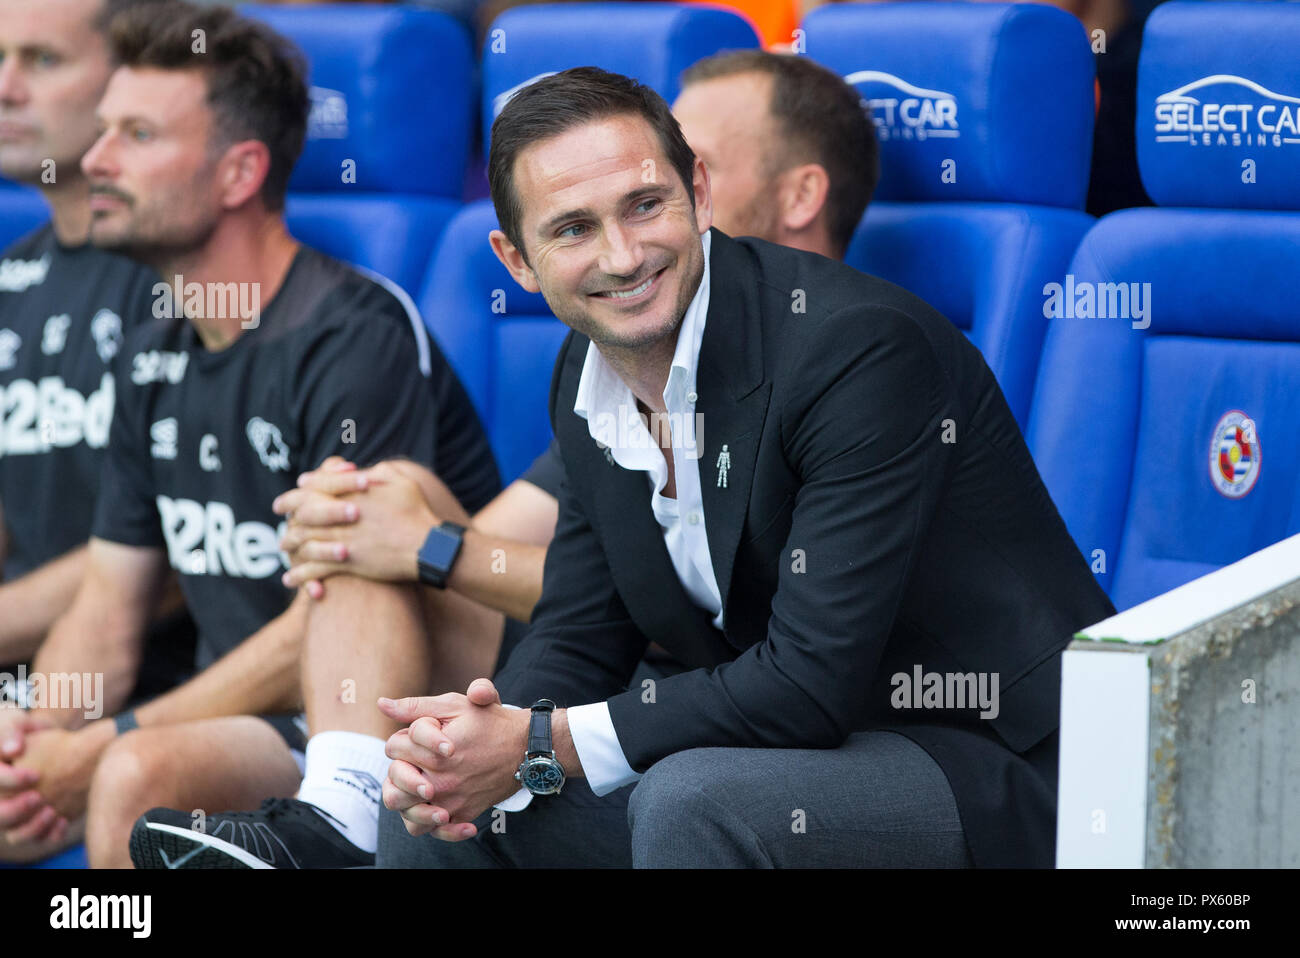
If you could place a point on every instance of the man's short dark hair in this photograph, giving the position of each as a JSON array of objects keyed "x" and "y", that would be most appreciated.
[
  {"x": 108, "y": 9},
  {"x": 558, "y": 103},
  {"x": 819, "y": 119},
  {"x": 256, "y": 89}
]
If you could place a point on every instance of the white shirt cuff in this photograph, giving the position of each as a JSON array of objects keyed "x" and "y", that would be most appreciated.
[
  {"x": 516, "y": 802},
  {"x": 520, "y": 799},
  {"x": 603, "y": 762}
]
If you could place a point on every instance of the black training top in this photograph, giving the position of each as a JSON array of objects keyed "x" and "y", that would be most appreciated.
[
  {"x": 547, "y": 471},
  {"x": 63, "y": 312},
  {"x": 337, "y": 364}
]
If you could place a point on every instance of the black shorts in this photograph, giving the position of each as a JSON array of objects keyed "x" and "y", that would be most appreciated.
[{"x": 292, "y": 727}]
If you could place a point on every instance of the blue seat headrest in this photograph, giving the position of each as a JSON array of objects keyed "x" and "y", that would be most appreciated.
[
  {"x": 972, "y": 101},
  {"x": 650, "y": 42},
  {"x": 1219, "y": 105},
  {"x": 391, "y": 92}
]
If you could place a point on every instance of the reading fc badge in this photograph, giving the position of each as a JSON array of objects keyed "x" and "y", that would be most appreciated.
[{"x": 1234, "y": 455}]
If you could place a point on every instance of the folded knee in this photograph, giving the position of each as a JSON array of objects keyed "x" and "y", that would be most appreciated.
[{"x": 130, "y": 766}]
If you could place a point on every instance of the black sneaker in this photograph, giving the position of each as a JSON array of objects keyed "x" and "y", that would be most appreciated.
[{"x": 283, "y": 833}]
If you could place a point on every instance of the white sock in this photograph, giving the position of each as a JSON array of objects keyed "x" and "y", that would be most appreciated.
[{"x": 344, "y": 777}]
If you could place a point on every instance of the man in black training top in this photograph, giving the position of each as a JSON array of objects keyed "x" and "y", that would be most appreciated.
[
  {"x": 65, "y": 307},
  {"x": 268, "y": 358}
]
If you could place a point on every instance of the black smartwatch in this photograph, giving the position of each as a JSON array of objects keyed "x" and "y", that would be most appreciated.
[
  {"x": 438, "y": 554},
  {"x": 539, "y": 772},
  {"x": 125, "y": 721}
]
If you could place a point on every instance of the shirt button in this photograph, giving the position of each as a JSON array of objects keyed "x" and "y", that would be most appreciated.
[
  {"x": 693, "y": 518},
  {"x": 691, "y": 397}
]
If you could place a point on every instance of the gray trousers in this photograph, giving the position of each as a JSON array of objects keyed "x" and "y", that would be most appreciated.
[{"x": 878, "y": 801}]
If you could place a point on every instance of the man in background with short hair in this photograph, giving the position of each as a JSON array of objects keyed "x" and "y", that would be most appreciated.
[
  {"x": 65, "y": 308},
  {"x": 267, "y": 357}
]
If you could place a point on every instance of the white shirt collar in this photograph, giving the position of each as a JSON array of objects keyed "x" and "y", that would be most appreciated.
[{"x": 604, "y": 400}]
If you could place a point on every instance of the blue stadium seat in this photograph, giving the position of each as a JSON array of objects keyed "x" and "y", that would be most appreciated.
[
  {"x": 21, "y": 211},
  {"x": 1168, "y": 440},
  {"x": 652, "y": 42},
  {"x": 74, "y": 857},
  {"x": 503, "y": 341},
  {"x": 984, "y": 114},
  {"x": 394, "y": 236},
  {"x": 383, "y": 168}
]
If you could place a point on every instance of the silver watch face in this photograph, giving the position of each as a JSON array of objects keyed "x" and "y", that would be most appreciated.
[{"x": 542, "y": 776}]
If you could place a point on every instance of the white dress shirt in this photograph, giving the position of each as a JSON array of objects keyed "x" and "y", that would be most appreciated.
[{"x": 610, "y": 408}]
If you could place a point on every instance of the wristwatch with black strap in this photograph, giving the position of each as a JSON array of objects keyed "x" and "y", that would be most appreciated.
[
  {"x": 439, "y": 552},
  {"x": 539, "y": 772}
]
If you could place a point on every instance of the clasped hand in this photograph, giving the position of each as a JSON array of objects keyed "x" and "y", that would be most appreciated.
[
  {"x": 45, "y": 777},
  {"x": 366, "y": 522},
  {"x": 454, "y": 760}
]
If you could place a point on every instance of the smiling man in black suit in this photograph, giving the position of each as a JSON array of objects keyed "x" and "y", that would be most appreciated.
[{"x": 800, "y": 480}]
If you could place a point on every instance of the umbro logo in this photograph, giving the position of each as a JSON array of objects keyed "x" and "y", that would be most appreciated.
[
  {"x": 164, "y": 434},
  {"x": 365, "y": 783},
  {"x": 9, "y": 344},
  {"x": 269, "y": 443}
]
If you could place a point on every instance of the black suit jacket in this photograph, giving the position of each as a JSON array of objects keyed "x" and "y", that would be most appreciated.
[{"x": 881, "y": 512}]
